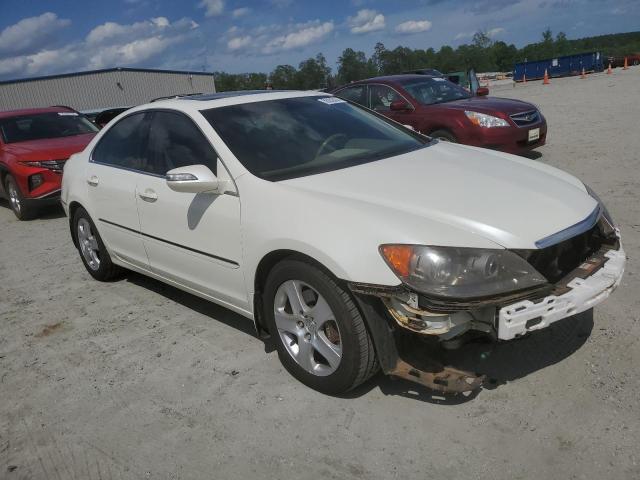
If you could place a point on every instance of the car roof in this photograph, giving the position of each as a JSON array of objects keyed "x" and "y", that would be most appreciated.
[
  {"x": 31, "y": 111},
  {"x": 223, "y": 99},
  {"x": 392, "y": 78}
]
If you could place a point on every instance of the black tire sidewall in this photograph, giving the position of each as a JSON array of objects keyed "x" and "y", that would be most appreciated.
[
  {"x": 344, "y": 377},
  {"x": 444, "y": 134},
  {"x": 103, "y": 271}
]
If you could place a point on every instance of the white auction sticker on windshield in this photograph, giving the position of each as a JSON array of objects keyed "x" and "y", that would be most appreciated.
[
  {"x": 68, "y": 114},
  {"x": 331, "y": 100}
]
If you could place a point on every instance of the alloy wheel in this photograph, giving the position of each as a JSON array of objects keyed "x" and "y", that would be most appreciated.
[
  {"x": 14, "y": 197},
  {"x": 307, "y": 327},
  {"x": 88, "y": 244}
]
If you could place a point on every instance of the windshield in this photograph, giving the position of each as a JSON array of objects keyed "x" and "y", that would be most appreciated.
[
  {"x": 44, "y": 125},
  {"x": 294, "y": 137},
  {"x": 434, "y": 90}
]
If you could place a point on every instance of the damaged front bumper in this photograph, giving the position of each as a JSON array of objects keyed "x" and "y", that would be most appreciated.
[
  {"x": 590, "y": 284},
  {"x": 503, "y": 319}
]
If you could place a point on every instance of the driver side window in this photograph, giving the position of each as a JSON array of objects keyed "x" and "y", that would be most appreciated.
[
  {"x": 382, "y": 97},
  {"x": 175, "y": 141}
]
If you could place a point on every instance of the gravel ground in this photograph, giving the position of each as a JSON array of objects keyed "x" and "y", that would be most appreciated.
[{"x": 134, "y": 379}]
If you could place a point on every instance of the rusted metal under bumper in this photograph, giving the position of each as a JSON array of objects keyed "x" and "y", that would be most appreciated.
[
  {"x": 444, "y": 379},
  {"x": 430, "y": 372}
]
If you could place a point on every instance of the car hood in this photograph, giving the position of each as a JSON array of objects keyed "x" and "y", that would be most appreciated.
[
  {"x": 489, "y": 105},
  {"x": 508, "y": 200},
  {"x": 49, "y": 148}
]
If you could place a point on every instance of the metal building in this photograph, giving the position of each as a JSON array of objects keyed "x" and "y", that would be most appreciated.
[{"x": 96, "y": 89}]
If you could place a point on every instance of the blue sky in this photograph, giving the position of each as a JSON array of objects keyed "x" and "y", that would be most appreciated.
[{"x": 48, "y": 37}]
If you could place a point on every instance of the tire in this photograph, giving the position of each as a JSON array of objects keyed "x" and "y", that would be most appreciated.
[
  {"x": 93, "y": 253},
  {"x": 17, "y": 202},
  {"x": 341, "y": 328},
  {"x": 444, "y": 135}
]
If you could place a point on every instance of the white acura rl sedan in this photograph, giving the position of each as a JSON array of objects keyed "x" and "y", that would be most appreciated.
[{"x": 343, "y": 235}]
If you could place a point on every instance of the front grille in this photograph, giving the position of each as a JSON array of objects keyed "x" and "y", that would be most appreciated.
[
  {"x": 524, "y": 119},
  {"x": 557, "y": 261}
]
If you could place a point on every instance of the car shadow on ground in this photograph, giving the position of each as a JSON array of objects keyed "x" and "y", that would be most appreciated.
[
  {"x": 532, "y": 155},
  {"x": 46, "y": 213},
  {"x": 501, "y": 362}
]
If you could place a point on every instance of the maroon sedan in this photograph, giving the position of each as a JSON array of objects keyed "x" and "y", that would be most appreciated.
[{"x": 439, "y": 108}]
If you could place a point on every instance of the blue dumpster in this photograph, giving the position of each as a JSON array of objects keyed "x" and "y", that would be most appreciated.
[{"x": 559, "y": 66}]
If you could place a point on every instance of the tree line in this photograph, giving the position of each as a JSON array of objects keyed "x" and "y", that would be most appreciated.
[{"x": 483, "y": 53}]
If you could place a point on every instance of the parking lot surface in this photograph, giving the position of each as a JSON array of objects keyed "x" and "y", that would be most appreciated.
[{"x": 135, "y": 379}]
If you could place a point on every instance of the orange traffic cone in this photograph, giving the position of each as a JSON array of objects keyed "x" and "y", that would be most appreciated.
[
  {"x": 609, "y": 72},
  {"x": 545, "y": 80},
  {"x": 583, "y": 75},
  {"x": 626, "y": 65}
]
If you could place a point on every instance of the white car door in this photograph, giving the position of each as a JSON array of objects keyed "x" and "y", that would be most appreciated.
[
  {"x": 111, "y": 184},
  {"x": 192, "y": 239}
]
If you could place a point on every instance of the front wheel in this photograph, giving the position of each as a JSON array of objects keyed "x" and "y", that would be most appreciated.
[
  {"x": 17, "y": 202},
  {"x": 93, "y": 253},
  {"x": 444, "y": 135},
  {"x": 319, "y": 333}
]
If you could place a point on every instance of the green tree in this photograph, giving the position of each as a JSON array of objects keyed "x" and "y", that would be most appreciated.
[
  {"x": 284, "y": 77},
  {"x": 353, "y": 66},
  {"x": 313, "y": 73},
  {"x": 561, "y": 46}
]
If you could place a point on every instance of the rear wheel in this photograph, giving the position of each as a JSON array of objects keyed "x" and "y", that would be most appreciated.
[
  {"x": 93, "y": 253},
  {"x": 17, "y": 202},
  {"x": 444, "y": 135},
  {"x": 319, "y": 333}
]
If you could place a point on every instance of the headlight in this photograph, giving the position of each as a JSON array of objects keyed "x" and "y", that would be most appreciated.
[
  {"x": 484, "y": 120},
  {"x": 605, "y": 212},
  {"x": 460, "y": 272}
]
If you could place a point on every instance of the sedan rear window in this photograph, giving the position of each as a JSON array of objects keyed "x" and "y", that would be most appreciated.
[
  {"x": 294, "y": 137},
  {"x": 38, "y": 126}
]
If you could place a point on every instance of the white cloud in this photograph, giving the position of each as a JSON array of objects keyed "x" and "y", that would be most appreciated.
[
  {"x": 108, "y": 45},
  {"x": 491, "y": 33},
  {"x": 240, "y": 12},
  {"x": 413, "y": 26},
  {"x": 366, "y": 20},
  {"x": 31, "y": 34},
  {"x": 238, "y": 43},
  {"x": 301, "y": 36},
  {"x": 212, "y": 8},
  {"x": 462, "y": 35}
]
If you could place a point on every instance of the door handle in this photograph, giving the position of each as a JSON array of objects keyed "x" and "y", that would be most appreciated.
[
  {"x": 148, "y": 195},
  {"x": 93, "y": 181}
]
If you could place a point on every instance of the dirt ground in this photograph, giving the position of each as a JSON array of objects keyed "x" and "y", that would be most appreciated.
[{"x": 134, "y": 379}]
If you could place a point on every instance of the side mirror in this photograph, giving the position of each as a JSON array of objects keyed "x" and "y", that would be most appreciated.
[
  {"x": 400, "y": 106},
  {"x": 482, "y": 91},
  {"x": 193, "y": 179}
]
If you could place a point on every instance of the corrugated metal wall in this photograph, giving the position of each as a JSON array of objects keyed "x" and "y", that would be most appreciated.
[{"x": 101, "y": 89}]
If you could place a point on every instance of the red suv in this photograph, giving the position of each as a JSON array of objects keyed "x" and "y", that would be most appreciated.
[
  {"x": 439, "y": 108},
  {"x": 34, "y": 144}
]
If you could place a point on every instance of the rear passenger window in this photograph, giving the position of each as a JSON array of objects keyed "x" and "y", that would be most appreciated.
[
  {"x": 124, "y": 144},
  {"x": 175, "y": 141},
  {"x": 355, "y": 94}
]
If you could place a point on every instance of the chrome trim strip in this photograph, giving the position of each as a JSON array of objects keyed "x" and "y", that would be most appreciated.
[
  {"x": 571, "y": 231},
  {"x": 46, "y": 195}
]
